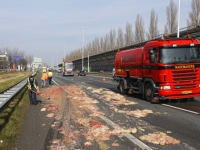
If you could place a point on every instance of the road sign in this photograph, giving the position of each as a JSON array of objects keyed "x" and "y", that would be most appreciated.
[
  {"x": 15, "y": 58},
  {"x": 3, "y": 58}
]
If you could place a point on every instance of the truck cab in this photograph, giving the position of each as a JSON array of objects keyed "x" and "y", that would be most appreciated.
[{"x": 162, "y": 68}]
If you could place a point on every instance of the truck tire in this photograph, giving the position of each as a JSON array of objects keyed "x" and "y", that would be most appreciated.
[
  {"x": 148, "y": 91},
  {"x": 121, "y": 87}
]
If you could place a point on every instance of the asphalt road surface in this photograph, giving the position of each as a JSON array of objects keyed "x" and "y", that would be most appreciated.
[{"x": 179, "y": 117}]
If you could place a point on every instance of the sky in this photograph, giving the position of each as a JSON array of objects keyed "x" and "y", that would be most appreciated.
[{"x": 48, "y": 29}]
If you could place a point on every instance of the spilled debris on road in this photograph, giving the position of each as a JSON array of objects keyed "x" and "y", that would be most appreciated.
[
  {"x": 81, "y": 125},
  {"x": 159, "y": 138}
]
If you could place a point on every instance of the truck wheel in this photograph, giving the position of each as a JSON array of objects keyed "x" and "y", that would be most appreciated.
[
  {"x": 121, "y": 87},
  {"x": 148, "y": 91}
]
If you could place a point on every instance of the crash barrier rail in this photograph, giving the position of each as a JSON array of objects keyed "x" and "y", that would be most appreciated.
[{"x": 8, "y": 94}]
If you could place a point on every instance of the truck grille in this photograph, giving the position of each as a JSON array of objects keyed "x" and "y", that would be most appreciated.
[{"x": 184, "y": 79}]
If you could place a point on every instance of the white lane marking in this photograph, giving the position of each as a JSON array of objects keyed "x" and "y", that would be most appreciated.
[
  {"x": 181, "y": 109},
  {"x": 83, "y": 82},
  {"x": 128, "y": 135},
  {"x": 104, "y": 82},
  {"x": 90, "y": 78},
  {"x": 60, "y": 86}
]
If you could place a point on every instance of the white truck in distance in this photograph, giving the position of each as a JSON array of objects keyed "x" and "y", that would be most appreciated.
[{"x": 68, "y": 69}]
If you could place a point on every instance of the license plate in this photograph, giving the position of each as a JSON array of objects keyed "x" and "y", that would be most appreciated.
[{"x": 186, "y": 92}]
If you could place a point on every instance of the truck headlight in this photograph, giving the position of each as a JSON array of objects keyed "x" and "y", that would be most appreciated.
[{"x": 166, "y": 87}]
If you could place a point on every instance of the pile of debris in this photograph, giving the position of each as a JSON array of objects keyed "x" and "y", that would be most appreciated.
[{"x": 159, "y": 138}]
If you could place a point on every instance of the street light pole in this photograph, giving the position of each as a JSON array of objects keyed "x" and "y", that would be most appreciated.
[
  {"x": 64, "y": 52},
  {"x": 83, "y": 45},
  {"x": 53, "y": 62},
  {"x": 88, "y": 62},
  {"x": 178, "y": 18},
  {"x": 57, "y": 58}
]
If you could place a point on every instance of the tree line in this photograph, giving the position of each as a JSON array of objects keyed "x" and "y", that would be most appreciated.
[
  {"x": 117, "y": 39},
  {"x": 24, "y": 59}
]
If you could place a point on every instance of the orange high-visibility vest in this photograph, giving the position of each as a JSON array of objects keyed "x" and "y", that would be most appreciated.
[{"x": 44, "y": 76}]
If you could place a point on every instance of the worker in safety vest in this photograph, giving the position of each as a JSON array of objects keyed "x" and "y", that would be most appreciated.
[
  {"x": 33, "y": 89},
  {"x": 50, "y": 74},
  {"x": 44, "y": 78}
]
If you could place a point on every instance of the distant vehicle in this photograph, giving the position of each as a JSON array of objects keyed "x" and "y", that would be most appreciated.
[
  {"x": 68, "y": 68},
  {"x": 82, "y": 73},
  {"x": 59, "y": 70}
]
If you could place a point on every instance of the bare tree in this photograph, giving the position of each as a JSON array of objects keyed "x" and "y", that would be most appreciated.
[
  {"x": 171, "y": 24},
  {"x": 120, "y": 38},
  {"x": 153, "y": 26},
  {"x": 106, "y": 43},
  {"x": 94, "y": 50},
  {"x": 90, "y": 49},
  {"x": 30, "y": 60},
  {"x": 112, "y": 39},
  {"x": 194, "y": 15},
  {"x": 101, "y": 45},
  {"x": 139, "y": 29},
  {"x": 129, "y": 34},
  {"x": 96, "y": 46}
]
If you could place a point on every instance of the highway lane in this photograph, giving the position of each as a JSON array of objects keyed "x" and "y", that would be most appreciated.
[
  {"x": 183, "y": 125},
  {"x": 190, "y": 105}
]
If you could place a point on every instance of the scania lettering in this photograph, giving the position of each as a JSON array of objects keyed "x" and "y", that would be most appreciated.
[{"x": 162, "y": 69}]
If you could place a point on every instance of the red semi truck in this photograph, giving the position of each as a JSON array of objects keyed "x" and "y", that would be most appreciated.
[{"x": 162, "y": 69}]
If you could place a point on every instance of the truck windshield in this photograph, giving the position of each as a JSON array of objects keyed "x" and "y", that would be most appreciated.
[
  {"x": 69, "y": 66},
  {"x": 176, "y": 55}
]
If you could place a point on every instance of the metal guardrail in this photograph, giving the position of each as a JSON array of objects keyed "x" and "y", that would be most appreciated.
[{"x": 9, "y": 94}]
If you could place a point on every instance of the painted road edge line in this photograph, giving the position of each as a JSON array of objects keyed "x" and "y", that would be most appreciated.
[
  {"x": 128, "y": 135},
  {"x": 181, "y": 109},
  {"x": 60, "y": 86}
]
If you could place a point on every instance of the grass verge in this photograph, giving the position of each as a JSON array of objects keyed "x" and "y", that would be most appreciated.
[
  {"x": 11, "y": 82},
  {"x": 11, "y": 120}
]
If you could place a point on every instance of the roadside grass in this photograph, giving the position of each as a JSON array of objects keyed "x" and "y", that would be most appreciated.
[
  {"x": 4, "y": 75},
  {"x": 11, "y": 120},
  {"x": 15, "y": 77}
]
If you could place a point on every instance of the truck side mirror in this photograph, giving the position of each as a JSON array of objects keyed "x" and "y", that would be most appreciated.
[
  {"x": 152, "y": 56},
  {"x": 151, "y": 51}
]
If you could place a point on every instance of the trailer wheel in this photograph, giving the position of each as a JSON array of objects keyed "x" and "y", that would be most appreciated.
[
  {"x": 121, "y": 87},
  {"x": 148, "y": 91}
]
